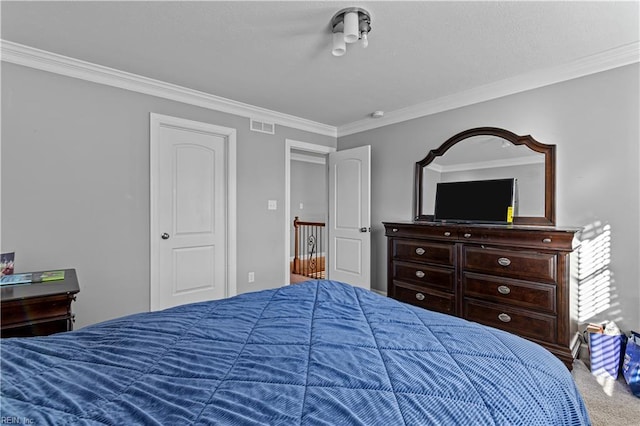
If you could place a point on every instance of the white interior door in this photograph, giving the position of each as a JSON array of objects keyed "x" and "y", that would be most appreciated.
[
  {"x": 350, "y": 216},
  {"x": 189, "y": 212}
]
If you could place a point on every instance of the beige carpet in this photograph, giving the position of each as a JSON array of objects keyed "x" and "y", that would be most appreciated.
[{"x": 609, "y": 402}]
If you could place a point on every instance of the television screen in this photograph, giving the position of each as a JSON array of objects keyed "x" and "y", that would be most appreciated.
[{"x": 480, "y": 201}]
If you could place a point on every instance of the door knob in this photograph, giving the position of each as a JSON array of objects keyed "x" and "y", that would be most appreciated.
[
  {"x": 365, "y": 229},
  {"x": 164, "y": 236}
]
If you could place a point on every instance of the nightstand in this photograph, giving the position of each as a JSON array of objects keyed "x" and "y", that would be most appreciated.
[{"x": 39, "y": 309}]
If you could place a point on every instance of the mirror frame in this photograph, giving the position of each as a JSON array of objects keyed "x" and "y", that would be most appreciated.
[{"x": 549, "y": 152}]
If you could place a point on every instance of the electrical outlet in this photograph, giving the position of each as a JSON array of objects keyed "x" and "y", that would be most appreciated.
[
  {"x": 272, "y": 205},
  {"x": 252, "y": 277}
]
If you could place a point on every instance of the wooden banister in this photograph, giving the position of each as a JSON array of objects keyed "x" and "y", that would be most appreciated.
[{"x": 307, "y": 237}]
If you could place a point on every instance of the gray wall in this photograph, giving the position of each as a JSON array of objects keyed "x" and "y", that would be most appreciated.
[
  {"x": 75, "y": 179},
  {"x": 594, "y": 123},
  {"x": 75, "y": 187}
]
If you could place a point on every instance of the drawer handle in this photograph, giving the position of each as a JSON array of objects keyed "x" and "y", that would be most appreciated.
[
  {"x": 504, "y": 317},
  {"x": 447, "y": 234},
  {"x": 503, "y": 289},
  {"x": 420, "y": 251},
  {"x": 420, "y": 274},
  {"x": 546, "y": 240},
  {"x": 394, "y": 230},
  {"x": 467, "y": 235},
  {"x": 504, "y": 261},
  {"x": 419, "y": 296}
]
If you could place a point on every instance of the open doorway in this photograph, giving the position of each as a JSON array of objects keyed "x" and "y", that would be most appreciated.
[{"x": 306, "y": 197}]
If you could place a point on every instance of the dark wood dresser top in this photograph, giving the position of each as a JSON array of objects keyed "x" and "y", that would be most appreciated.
[{"x": 68, "y": 285}]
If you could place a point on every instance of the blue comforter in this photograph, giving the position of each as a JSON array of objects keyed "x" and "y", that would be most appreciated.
[{"x": 318, "y": 353}]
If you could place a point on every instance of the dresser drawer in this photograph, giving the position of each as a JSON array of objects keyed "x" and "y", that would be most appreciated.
[
  {"x": 35, "y": 310},
  {"x": 432, "y": 231},
  {"x": 526, "y": 238},
  {"x": 528, "y": 265},
  {"x": 425, "y": 298},
  {"x": 515, "y": 293},
  {"x": 423, "y": 275},
  {"x": 424, "y": 251},
  {"x": 518, "y": 321},
  {"x": 42, "y": 328}
]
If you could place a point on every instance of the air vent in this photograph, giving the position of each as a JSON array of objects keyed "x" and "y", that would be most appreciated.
[{"x": 263, "y": 127}]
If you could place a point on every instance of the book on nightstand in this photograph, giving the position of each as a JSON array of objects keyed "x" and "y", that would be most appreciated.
[
  {"x": 15, "y": 279},
  {"x": 47, "y": 276},
  {"x": 35, "y": 277}
]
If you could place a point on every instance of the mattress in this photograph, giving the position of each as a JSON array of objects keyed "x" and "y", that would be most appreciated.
[{"x": 317, "y": 353}]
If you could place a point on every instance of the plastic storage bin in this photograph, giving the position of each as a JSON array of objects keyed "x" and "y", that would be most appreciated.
[{"x": 606, "y": 353}]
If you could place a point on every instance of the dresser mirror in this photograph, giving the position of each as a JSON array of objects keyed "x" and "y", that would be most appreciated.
[{"x": 491, "y": 153}]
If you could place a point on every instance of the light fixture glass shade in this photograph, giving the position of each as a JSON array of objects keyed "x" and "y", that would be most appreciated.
[
  {"x": 339, "y": 46},
  {"x": 364, "y": 39},
  {"x": 351, "y": 27}
]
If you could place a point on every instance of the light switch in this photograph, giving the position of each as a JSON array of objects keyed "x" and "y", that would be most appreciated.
[
  {"x": 301, "y": 206},
  {"x": 272, "y": 205}
]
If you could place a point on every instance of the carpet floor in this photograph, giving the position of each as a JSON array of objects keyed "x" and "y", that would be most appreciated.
[{"x": 609, "y": 402}]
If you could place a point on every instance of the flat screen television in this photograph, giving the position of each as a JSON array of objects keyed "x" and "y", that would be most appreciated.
[{"x": 479, "y": 201}]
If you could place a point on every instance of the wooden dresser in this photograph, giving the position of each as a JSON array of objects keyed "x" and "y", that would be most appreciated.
[
  {"x": 516, "y": 278},
  {"x": 39, "y": 309}
]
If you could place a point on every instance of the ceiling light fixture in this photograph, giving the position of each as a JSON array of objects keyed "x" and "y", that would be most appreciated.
[{"x": 348, "y": 26}]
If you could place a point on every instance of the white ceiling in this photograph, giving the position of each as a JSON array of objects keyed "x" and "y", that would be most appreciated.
[{"x": 277, "y": 55}]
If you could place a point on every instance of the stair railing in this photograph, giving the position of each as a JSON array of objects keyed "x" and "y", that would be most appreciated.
[{"x": 308, "y": 257}]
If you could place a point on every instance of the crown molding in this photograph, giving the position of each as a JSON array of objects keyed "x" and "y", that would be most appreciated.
[
  {"x": 610, "y": 59},
  {"x": 27, "y": 56},
  {"x": 51, "y": 62}
]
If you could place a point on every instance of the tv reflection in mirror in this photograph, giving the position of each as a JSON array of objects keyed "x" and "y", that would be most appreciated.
[{"x": 479, "y": 201}]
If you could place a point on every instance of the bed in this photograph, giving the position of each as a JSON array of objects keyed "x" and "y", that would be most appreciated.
[{"x": 317, "y": 353}]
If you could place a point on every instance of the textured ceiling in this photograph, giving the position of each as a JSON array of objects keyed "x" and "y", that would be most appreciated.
[{"x": 276, "y": 55}]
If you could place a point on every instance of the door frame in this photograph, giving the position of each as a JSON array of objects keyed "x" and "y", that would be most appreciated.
[
  {"x": 155, "y": 122},
  {"x": 290, "y": 145}
]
